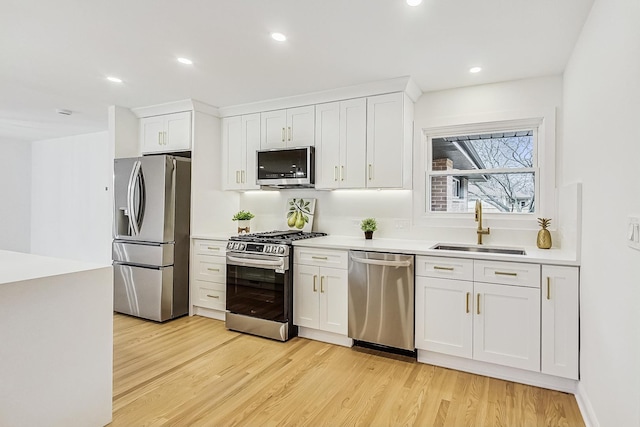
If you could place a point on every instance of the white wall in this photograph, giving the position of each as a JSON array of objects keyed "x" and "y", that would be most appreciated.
[
  {"x": 15, "y": 208},
  {"x": 70, "y": 200},
  {"x": 339, "y": 212},
  {"x": 602, "y": 149}
]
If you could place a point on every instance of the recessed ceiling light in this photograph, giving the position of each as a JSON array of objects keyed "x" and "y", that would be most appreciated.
[
  {"x": 185, "y": 61},
  {"x": 475, "y": 69},
  {"x": 114, "y": 79},
  {"x": 279, "y": 37},
  {"x": 414, "y": 2}
]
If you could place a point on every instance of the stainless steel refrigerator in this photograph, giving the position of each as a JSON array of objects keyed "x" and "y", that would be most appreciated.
[{"x": 152, "y": 196}]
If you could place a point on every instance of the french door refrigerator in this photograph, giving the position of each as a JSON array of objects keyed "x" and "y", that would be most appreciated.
[{"x": 152, "y": 198}]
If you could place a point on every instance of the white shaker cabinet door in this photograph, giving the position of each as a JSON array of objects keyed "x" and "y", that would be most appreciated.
[
  {"x": 444, "y": 316},
  {"x": 506, "y": 328},
  {"x": 306, "y": 309},
  {"x": 328, "y": 145},
  {"x": 334, "y": 295},
  {"x": 273, "y": 129},
  {"x": 353, "y": 143},
  {"x": 232, "y": 152},
  {"x": 300, "y": 126},
  {"x": 385, "y": 136},
  {"x": 560, "y": 317}
]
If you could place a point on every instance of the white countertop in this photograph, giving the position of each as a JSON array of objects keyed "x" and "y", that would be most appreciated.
[
  {"x": 423, "y": 247},
  {"x": 17, "y": 266}
]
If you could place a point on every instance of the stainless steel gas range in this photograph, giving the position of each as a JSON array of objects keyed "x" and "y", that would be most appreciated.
[{"x": 260, "y": 283}]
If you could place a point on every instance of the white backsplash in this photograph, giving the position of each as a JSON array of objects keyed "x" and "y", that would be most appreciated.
[{"x": 340, "y": 212}]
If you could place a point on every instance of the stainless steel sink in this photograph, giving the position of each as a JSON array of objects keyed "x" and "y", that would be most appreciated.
[{"x": 483, "y": 249}]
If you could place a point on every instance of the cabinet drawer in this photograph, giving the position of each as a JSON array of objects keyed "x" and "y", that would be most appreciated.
[
  {"x": 451, "y": 268},
  {"x": 210, "y": 247},
  {"x": 210, "y": 296},
  {"x": 210, "y": 268},
  {"x": 507, "y": 273},
  {"x": 321, "y": 257}
]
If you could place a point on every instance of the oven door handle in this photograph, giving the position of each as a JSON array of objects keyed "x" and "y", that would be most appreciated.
[{"x": 256, "y": 262}]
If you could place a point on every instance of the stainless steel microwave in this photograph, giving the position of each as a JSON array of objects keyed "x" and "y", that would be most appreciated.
[{"x": 286, "y": 167}]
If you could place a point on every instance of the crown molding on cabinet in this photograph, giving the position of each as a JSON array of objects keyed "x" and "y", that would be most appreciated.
[
  {"x": 398, "y": 84},
  {"x": 176, "y": 107}
]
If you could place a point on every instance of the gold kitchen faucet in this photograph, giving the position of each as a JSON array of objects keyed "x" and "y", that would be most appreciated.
[{"x": 480, "y": 230}]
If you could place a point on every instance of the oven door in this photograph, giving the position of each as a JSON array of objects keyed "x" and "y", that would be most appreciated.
[{"x": 257, "y": 285}]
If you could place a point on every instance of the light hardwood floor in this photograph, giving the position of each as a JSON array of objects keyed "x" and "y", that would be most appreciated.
[{"x": 193, "y": 372}]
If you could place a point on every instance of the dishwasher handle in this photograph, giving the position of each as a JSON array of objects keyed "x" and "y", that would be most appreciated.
[{"x": 406, "y": 263}]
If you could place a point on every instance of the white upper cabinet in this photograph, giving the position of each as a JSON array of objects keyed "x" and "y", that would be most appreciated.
[
  {"x": 341, "y": 132},
  {"x": 389, "y": 141},
  {"x": 240, "y": 140},
  {"x": 293, "y": 127},
  {"x": 166, "y": 133}
]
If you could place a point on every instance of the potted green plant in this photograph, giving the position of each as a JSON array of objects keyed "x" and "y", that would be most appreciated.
[
  {"x": 368, "y": 225},
  {"x": 244, "y": 221}
]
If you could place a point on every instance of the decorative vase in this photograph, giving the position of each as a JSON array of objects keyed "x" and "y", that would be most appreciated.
[
  {"x": 244, "y": 226},
  {"x": 544, "y": 235},
  {"x": 368, "y": 235}
]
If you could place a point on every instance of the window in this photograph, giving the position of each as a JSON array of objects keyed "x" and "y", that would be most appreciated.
[{"x": 496, "y": 166}]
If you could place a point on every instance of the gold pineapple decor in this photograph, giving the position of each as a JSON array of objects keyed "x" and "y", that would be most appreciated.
[{"x": 544, "y": 235}]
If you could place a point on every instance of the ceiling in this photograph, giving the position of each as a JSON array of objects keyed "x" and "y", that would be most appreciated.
[{"x": 57, "y": 54}]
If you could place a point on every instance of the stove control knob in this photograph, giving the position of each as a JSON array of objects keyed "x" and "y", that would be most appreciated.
[
  {"x": 236, "y": 246},
  {"x": 281, "y": 250},
  {"x": 267, "y": 249},
  {"x": 230, "y": 245},
  {"x": 242, "y": 246}
]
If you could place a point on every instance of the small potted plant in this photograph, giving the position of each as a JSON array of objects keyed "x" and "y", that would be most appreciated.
[
  {"x": 368, "y": 225},
  {"x": 244, "y": 221}
]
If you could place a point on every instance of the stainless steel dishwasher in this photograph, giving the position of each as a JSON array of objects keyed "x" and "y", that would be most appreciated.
[{"x": 381, "y": 293}]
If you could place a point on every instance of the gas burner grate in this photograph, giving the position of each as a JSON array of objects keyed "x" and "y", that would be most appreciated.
[{"x": 277, "y": 236}]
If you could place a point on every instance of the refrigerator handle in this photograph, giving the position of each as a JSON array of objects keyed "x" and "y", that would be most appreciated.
[{"x": 133, "y": 216}]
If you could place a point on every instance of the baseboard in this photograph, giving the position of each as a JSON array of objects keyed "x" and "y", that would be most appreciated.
[
  {"x": 328, "y": 337},
  {"x": 537, "y": 379},
  {"x": 208, "y": 312},
  {"x": 584, "y": 404}
]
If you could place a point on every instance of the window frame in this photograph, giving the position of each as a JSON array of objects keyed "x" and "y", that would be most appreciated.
[{"x": 543, "y": 125}]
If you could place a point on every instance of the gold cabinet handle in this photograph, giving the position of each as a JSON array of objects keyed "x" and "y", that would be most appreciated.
[
  {"x": 319, "y": 257},
  {"x": 321, "y": 284},
  {"x": 213, "y": 248},
  {"x": 478, "y": 304},
  {"x": 548, "y": 287},
  {"x": 468, "y": 295},
  {"x": 289, "y": 133},
  {"x": 237, "y": 177},
  {"x": 213, "y": 269},
  {"x": 335, "y": 173},
  {"x": 159, "y": 138},
  {"x": 505, "y": 273},
  {"x": 242, "y": 181},
  {"x": 315, "y": 288},
  {"x": 213, "y": 296},
  {"x": 341, "y": 173},
  {"x": 437, "y": 267},
  {"x": 282, "y": 134},
  {"x": 370, "y": 171}
]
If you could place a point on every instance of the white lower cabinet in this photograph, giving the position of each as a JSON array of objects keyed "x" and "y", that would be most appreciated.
[
  {"x": 560, "y": 327},
  {"x": 320, "y": 292},
  {"x": 207, "y": 278},
  {"x": 320, "y": 298},
  {"x": 444, "y": 321},
  {"x": 506, "y": 326},
  {"x": 508, "y": 314}
]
